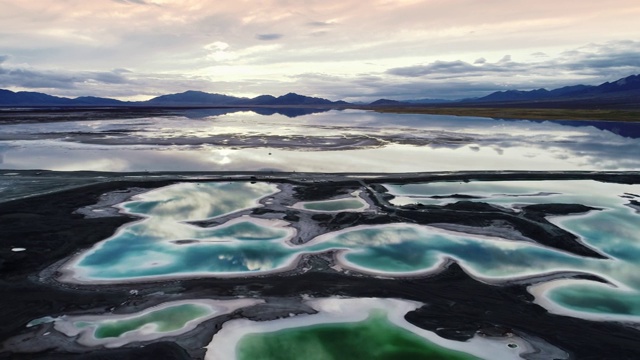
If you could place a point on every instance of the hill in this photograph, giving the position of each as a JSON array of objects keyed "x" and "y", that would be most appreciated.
[{"x": 622, "y": 93}]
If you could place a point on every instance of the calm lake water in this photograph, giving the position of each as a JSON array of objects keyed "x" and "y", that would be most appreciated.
[{"x": 331, "y": 141}]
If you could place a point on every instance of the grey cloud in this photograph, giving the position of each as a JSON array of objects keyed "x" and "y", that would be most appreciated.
[
  {"x": 439, "y": 68},
  {"x": 108, "y": 77},
  {"x": 137, "y": 2},
  {"x": 480, "y": 61},
  {"x": 3, "y": 58},
  {"x": 370, "y": 87},
  {"x": 600, "y": 62},
  {"x": 603, "y": 61},
  {"x": 505, "y": 59},
  {"x": 319, "y": 23},
  {"x": 34, "y": 79},
  {"x": 267, "y": 37},
  {"x": 539, "y": 54},
  {"x": 569, "y": 53},
  {"x": 318, "y": 33}
]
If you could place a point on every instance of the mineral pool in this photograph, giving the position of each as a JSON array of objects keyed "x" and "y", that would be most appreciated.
[
  {"x": 167, "y": 319},
  {"x": 164, "y": 245},
  {"x": 364, "y": 328}
]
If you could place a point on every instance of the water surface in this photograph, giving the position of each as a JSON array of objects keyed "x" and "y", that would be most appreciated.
[{"x": 333, "y": 141}]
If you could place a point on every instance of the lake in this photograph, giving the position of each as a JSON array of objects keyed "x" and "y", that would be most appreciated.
[{"x": 324, "y": 141}]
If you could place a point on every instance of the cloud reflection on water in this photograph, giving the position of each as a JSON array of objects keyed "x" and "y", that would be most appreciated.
[
  {"x": 335, "y": 141},
  {"x": 164, "y": 246}
]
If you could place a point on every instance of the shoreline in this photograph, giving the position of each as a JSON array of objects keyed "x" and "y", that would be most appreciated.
[{"x": 508, "y": 111}]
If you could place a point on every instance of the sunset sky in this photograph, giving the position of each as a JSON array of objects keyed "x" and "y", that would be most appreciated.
[{"x": 338, "y": 49}]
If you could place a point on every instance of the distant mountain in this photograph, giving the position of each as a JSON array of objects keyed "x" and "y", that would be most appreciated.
[
  {"x": 95, "y": 101},
  {"x": 427, "y": 101},
  {"x": 26, "y": 98},
  {"x": 199, "y": 98},
  {"x": 262, "y": 100},
  {"x": 538, "y": 94},
  {"x": 193, "y": 98},
  {"x": 514, "y": 95},
  {"x": 184, "y": 99},
  {"x": 624, "y": 92},
  {"x": 630, "y": 83},
  {"x": 386, "y": 102},
  {"x": 295, "y": 99}
]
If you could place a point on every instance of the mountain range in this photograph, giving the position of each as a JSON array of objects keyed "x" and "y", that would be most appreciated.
[
  {"x": 185, "y": 99},
  {"x": 622, "y": 93}
]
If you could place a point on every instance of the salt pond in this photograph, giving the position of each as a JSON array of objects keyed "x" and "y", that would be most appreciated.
[
  {"x": 353, "y": 328},
  {"x": 168, "y": 319},
  {"x": 164, "y": 246},
  {"x": 613, "y": 231},
  {"x": 333, "y": 205},
  {"x": 354, "y": 203}
]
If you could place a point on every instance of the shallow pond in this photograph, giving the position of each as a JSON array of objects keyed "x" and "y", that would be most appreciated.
[
  {"x": 163, "y": 245},
  {"x": 366, "y": 328}
]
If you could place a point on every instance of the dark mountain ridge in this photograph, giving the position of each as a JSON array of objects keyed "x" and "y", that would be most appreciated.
[
  {"x": 185, "y": 99},
  {"x": 622, "y": 93}
]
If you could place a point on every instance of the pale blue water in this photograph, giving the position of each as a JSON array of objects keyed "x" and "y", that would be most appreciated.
[
  {"x": 246, "y": 246},
  {"x": 613, "y": 231}
]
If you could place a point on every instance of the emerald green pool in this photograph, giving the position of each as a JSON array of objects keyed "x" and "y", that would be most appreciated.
[
  {"x": 354, "y": 328},
  {"x": 172, "y": 318},
  {"x": 373, "y": 338}
]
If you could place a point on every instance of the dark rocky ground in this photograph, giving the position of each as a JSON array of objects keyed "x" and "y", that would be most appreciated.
[{"x": 458, "y": 305}]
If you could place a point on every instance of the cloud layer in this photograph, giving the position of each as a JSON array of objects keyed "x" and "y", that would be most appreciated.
[{"x": 336, "y": 49}]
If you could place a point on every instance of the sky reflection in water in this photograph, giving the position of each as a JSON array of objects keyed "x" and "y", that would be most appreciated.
[
  {"x": 156, "y": 247},
  {"x": 334, "y": 141},
  {"x": 167, "y": 319},
  {"x": 613, "y": 231}
]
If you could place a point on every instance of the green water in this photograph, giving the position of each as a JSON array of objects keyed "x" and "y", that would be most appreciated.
[
  {"x": 166, "y": 320},
  {"x": 374, "y": 338},
  {"x": 335, "y": 205}
]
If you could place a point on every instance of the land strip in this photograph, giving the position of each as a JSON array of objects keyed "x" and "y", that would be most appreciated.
[{"x": 515, "y": 113}]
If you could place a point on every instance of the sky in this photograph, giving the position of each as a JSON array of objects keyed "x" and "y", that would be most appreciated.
[{"x": 337, "y": 49}]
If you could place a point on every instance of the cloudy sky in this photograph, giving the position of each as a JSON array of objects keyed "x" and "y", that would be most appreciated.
[{"x": 338, "y": 49}]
